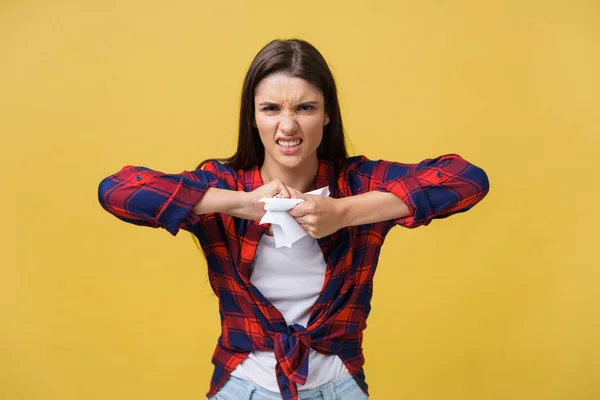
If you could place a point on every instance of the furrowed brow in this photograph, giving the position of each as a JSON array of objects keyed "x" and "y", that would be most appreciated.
[{"x": 304, "y": 103}]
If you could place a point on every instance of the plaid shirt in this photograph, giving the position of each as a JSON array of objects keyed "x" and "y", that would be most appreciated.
[{"x": 433, "y": 188}]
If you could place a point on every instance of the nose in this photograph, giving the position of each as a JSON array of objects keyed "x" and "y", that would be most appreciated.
[{"x": 288, "y": 124}]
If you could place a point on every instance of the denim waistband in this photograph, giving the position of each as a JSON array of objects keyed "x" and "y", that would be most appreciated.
[{"x": 336, "y": 389}]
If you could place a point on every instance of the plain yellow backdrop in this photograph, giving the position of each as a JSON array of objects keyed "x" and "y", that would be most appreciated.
[{"x": 501, "y": 302}]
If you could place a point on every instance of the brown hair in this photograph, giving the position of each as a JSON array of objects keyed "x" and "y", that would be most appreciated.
[{"x": 296, "y": 58}]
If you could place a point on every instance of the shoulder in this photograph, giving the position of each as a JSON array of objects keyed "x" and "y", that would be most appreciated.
[{"x": 358, "y": 164}]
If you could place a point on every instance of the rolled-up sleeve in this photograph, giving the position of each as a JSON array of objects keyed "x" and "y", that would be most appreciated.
[
  {"x": 432, "y": 189},
  {"x": 146, "y": 197}
]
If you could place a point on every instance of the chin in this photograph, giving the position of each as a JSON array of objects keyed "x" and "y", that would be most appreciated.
[{"x": 290, "y": 162}]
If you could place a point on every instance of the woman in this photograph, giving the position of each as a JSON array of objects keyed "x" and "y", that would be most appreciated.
[{"x": 292, "y": 318}]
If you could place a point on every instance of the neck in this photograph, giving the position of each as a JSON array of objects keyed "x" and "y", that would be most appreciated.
[{"x": 301, "y": 178}]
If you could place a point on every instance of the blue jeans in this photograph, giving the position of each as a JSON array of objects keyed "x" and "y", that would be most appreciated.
[{"x": 342, "y": 388}]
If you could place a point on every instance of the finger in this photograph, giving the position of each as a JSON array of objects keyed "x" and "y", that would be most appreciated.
[
  {"x": 311, "y": 233},
  {"x": 283, "y": 191},
  {"x": 298, "y": 211},
  {"x": 302, "y": 220},
  {"x": 296, "y": 194},
  {"x": 269, "y": 190}
]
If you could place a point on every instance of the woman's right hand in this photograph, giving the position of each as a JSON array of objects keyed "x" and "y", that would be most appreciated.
[
  {"x": 240, "y": 204},
  {"x": 276, "y": 186}
]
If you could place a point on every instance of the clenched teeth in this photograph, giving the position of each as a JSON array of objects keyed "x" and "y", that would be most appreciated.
[{"x": 288, "y": 143}]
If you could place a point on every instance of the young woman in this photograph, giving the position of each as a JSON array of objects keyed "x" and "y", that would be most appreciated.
[{"x": 292, "y": 317}]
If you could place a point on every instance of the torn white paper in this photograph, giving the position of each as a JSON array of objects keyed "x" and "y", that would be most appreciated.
[{"x": 286, "y": 230}]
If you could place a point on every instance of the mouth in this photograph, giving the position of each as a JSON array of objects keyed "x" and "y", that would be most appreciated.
[{"x": 289, "y": 146}]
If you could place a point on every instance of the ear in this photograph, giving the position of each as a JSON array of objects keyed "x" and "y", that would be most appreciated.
[
  {"x": 254, "y": 123},
  {"x": 326, "y": 119}
]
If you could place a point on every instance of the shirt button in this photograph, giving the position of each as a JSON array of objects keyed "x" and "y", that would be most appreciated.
[
  {"x": 439, "y": 174},
  {"x": 138, "y": 177}
]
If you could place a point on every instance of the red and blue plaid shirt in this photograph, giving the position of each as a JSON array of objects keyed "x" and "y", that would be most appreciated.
[{"x": 433, "y": 188}]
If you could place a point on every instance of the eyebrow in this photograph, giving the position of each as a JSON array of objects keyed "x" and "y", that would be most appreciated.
[{"x": 269, "y": 103}]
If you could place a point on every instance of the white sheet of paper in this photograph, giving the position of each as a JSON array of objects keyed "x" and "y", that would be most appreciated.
[{"x": 286, "y": 230}]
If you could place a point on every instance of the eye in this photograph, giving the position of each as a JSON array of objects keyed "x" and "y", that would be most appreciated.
[
  {"x": 307, "y": 107},
  {"x": 268, "y": 108}
]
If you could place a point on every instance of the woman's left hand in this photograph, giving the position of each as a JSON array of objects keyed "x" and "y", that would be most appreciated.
[{"x": 318, "y": 215}]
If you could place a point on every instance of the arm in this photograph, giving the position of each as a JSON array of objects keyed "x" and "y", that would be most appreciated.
[
  {"x": 224, "y": 201},
  {"x": 323, "y": 215},
  {"x": 402, "y": 194},
  {"x": 142, "y": 196},
  {"x": 240, "y": 204},
  {"x": 433, "y": 188},
  {"x": 372, "y": 207},
  {"x": 145, "y": 197}
]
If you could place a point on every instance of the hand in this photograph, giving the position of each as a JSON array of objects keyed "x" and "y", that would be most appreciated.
[
  {"x": 318, "y": 215},
  {"x": 257, "y": 208}
]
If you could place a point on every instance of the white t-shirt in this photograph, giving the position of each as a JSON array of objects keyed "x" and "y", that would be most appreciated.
[{"x": 291, "y": 279}]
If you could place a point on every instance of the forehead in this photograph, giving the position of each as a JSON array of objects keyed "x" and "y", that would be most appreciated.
[{"x": 282, "y": 87}]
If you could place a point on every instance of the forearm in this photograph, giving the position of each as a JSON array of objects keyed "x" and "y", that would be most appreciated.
[
  {"x": 230, "y": 202},
  {"x": 372, "y": 207}
]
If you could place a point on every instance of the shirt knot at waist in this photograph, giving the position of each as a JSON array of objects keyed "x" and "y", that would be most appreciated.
[{"x": 291, "y": 352}]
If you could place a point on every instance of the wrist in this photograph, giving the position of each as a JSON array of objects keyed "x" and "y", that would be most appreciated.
[
  {"x": 242, "y": 205},
  {"x": 345, "y": 211}
]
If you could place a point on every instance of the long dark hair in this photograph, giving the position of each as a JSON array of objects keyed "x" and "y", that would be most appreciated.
[{"x": 296, "y": 58}]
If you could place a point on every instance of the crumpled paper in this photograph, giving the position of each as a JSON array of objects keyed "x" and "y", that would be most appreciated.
[{"x": 286, "y": 230}]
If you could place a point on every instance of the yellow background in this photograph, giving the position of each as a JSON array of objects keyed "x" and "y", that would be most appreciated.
[{"x": 499, "y": 303}]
